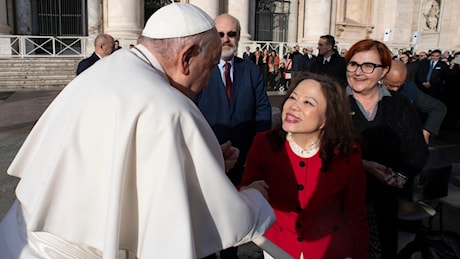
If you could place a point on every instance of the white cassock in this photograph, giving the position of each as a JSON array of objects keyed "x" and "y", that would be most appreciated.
[{"x": 122, "y": 160}]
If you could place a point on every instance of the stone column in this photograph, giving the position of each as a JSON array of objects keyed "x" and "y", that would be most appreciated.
[
  {"x": 94, "y": 18},
  {"x": 4, "y": 27},
  {"x": 123, "y": 18},
  {"x": 317, "y": 20},
  {"x": 294, "y": 17},
  {"x": 5, "y": 48},
  {"x": 211, "y": 7},
  {"x": 240, "y": 9}
]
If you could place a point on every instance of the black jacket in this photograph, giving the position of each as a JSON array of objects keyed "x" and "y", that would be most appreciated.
[
  {"x": 336, "y": 68},
  {"x": 86, "y": 63}
]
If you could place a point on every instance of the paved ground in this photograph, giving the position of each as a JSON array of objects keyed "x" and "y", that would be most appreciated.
[{"x": 19, "y": 110}]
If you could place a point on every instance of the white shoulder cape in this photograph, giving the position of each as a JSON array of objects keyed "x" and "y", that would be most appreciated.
[{"x": 121, "y": 159}]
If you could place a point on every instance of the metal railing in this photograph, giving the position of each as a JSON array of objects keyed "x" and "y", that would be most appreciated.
[
  {"x": 21, "y": 46},
  {"x": 281, "y": 48}
]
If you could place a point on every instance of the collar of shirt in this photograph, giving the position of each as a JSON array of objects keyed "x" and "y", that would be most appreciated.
[
  {"x": 328, "y": 59},
  {"x": 383, "y": 92}
]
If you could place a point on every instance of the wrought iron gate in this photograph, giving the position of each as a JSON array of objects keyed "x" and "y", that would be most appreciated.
[
  {"x": 61, "y": 17},
  {"x": 272, "y": 18}
]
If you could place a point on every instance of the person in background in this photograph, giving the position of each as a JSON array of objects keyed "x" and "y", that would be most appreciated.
[
  {"x": 237, "y": 113},
  {"x": 329, "y": 61},
  {"x": 122, "y": 164},
  {"x": 298, "y": 61},
  {"x": 446, "y": 57},
  {"x": 263, "y": 65},
  {"x": 273, "y": 69},
  {"x": 288, "y": 55},
  {"x": 412, "y": 66},
  {"x": 430, "y": 75},
  {"x": 451, "y": 93},
  {"x": 431, "y": 108},
  {"x": 258, "y": 59},
  {"x": 116, "y": 45},
  {"x": 405, "y": 57},
  {"x": 311, "y": 162},
  {"x": 287, "y": 73},
  {"x": 394, "y": 149},
  {"x": 343, "y": 52},
  {"x": 422, "y": 55},
  {"x": 248, "y": 55},
  {"x": 309, "y": 58},
  {"x": 281, "y": 78},
  {"x": 400, "y": 52},
  {"x": 103, "y": 46}
]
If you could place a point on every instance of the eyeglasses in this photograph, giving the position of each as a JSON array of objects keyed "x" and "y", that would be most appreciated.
[
  {"x": 231, "y": 34},
  {"x": 366, "y": 67}
]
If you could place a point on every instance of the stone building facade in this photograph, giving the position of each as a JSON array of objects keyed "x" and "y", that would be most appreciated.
[{"x": 416, "y": 24}]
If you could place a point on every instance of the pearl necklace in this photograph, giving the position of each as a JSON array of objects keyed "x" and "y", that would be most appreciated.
[{"x": 299, "y": 151}]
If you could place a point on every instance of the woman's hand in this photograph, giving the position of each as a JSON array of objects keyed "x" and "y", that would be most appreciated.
[{"x": 385, "y": 174}]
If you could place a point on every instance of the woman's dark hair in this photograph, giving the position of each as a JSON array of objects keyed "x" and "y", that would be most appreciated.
[{"x": 338, "y": 135}]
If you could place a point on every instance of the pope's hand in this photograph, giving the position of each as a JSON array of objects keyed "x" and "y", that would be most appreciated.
[
  {"x": 260, "y": 186},
  {"x": 230, "y": 155}
]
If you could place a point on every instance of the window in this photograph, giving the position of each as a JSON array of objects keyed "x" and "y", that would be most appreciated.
[
  {"x": 61, "y": 17},
  {"x": 272, "y": 18}
]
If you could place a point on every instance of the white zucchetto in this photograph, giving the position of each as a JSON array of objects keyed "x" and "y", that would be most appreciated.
[{"x": 177, "y": 20}]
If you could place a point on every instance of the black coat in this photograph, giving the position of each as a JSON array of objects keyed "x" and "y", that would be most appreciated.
[
  {"x": 86, "y": 63},
  {"x": 336, "y": 68},
  {"x": 436, "y": 80}
]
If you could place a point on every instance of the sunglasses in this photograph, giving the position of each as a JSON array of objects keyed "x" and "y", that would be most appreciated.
[{"x": 231, "y": 34}]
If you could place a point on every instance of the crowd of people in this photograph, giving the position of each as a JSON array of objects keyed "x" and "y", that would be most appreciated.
[
  {"x": 439, "y": 83},
  {"x": 168, "y": 147}
]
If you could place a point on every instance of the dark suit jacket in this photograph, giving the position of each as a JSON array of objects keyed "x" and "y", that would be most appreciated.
[
  {"x": 86, "y": 63},
  {"x": 298, "y": 61},
  {"x": 433, "y": 111},
  {"x": 412, "y": 68},
  {"x": 248, "y": 57},
  {"x": 248, "y": 112},
  {"x": 309, "y": 62},
  {"x": 335, "y": 68},
  {"x": 436, "y": 80}
]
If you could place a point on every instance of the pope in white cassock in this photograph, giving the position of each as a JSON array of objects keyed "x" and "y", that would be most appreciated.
[{"x": 123, "y": 161}]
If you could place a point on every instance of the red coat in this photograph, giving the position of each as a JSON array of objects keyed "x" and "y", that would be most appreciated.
[{"x": 319, "y": 214}]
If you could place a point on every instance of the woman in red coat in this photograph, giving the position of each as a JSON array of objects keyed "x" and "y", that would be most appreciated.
[{"x": 312, "y": 165}]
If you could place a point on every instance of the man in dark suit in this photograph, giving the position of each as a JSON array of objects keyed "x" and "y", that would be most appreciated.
[
  {"x": 248, "y": 55},
  {"x": 104, "y": 45},
  {"x": 298, "y": 62},
  {"x": 432, "y": 110},
  {"x": 309, "y": 58},
  {"x": 329, "y": 62},
  {"x": 430, "y": 75},
  {"x": 235, "y": 103}
]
